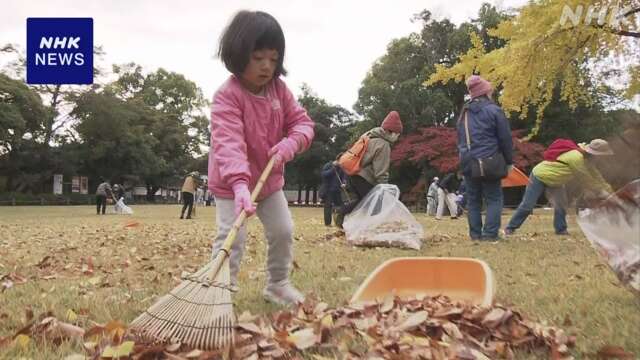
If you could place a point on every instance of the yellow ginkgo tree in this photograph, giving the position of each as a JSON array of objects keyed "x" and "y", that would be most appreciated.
[{"x": 556, "y": 44}]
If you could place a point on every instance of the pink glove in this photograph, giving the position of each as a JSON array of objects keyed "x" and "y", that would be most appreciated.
[
  {"x": 284, "y": 151},
  {"x": 242, "y": 199}
]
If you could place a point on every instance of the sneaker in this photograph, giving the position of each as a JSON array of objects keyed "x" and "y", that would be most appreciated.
[
  {"x": 508, "y": 232},
  {"x": 562, "y": 233},
  {"x": 282, "y": 293}
]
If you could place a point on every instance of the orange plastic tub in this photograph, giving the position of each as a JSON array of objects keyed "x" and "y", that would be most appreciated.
[{"x": 462, "y": 279}]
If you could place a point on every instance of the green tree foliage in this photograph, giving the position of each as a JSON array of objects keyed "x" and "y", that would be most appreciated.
[
  {"x": 395, "y": 81},
  {"x": 554, "y": 45},
  {"x": 21, "y": 122},
  {"x": 331, "y": 135},
  {"x": 170, "y": 111}
]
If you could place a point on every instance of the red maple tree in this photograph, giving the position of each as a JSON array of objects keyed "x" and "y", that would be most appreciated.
[{"x": 437, "y": 147}]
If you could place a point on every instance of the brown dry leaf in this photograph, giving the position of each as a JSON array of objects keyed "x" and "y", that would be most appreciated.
[
  {"x": 194, "y": 354},
  {"x": 448, "y": 311},
  {"x": 6, "y": 284},
  {"x": 320, "y": 308},
  {"x": 613, "y": 352},
  {"x": 246, "y": 317},
  {"x": 453, "y": 330},
  {"x": 412, "y": 340},
  {"x": 65, "y": 330},
  {"x": 87, "y": 266},
  {"x": 90, "y": 346},
  {"x": 493, "y": 318},
  {"x": 303, "y": 339},
  {"x": 365, "y": 323},
  {"x": 387, "y": 303},
  {"x": 172, "y": 356},
  {"x": 4, "y": 341},
  {"x": 96, "y": 332},
  {"x": 28, "y": 314},
  {"x": 173, "y": 347},
  {"x": 116, "y": 330},
  {"x": 250, "y": 327},
  {"x": 413, "y": 321},
  {"x": 245, "y": 351}
]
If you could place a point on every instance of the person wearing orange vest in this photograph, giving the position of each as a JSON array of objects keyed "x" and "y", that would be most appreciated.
[{"x": 375, "y": 162}]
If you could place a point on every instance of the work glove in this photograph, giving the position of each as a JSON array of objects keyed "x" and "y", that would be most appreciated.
[
  {"x": 284, "y": 151},
  {"x": 242, "y": 199}
]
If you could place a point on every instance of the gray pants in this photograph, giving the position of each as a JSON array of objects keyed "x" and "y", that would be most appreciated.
[
  {"x": 448, "y": 199},
  {"x": 432, "y": 205},
  {"x": 274, "y": 214}
]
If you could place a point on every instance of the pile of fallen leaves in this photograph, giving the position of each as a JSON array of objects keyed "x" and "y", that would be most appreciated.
[
  {"x": 427, "y": 328},
  {"x": 390, "y": 234},
  {"x": 421, "y": 328}
]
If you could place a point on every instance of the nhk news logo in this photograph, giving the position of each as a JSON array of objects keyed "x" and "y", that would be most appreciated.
[{"x": 60, "y": 51}]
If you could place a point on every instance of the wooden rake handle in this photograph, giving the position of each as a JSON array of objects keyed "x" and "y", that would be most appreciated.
[{"x": 231, "y": 236}]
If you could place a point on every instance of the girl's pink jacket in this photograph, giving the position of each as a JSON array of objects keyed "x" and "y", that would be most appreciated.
[{"x": 244, "y": 127}]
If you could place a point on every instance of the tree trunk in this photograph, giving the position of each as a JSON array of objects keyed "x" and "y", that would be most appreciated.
[
  {"x": 299, "y": 194},
  {"x": 55, "y": 101}
]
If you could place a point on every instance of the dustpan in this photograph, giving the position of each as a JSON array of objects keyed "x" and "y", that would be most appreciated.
[{"x": 461, "y": 279}]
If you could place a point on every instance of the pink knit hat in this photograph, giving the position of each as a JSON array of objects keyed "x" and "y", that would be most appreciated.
[
  {"x": 478, "y": 86},
  {"x": 392, "y": 122}
]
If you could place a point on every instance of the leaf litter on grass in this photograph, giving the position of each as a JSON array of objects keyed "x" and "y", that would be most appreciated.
[{"x": 395, "y": 328}]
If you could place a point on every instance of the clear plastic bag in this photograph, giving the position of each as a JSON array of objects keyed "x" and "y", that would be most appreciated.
[
  {"x": 121, "y": 208},
  {"x": 380, "y": 219},
  {"x": 613, "y": 228}
]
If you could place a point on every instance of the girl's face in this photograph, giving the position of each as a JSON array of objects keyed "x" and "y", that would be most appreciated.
[{"x": 260, "y": 69}]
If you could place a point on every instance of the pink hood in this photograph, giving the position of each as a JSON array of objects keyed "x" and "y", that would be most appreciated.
[{"x": 244, "y": 127}]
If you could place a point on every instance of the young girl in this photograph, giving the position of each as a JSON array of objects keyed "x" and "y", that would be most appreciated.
[{"x": 254, "y": 116}]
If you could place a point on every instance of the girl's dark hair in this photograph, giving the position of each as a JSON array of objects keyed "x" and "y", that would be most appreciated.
[{"x": 247, "y": 32}]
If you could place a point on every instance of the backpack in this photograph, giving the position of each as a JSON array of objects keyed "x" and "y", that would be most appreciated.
[
  {"x": 351, "y": 160},
  {"x": 559, "y": 147}
]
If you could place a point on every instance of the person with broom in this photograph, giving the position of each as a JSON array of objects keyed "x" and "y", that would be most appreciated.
[
  {"x": 102, "y": 192},
  {"x": 333, "y": 185},
  {"x": 189, "y": 188},
  {"x": 254, "y": 117}
]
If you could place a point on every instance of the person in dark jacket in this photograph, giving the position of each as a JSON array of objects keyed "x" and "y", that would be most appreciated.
[
  {"x": 118, "y": 191},
  {"x": 447, "y": 187},
  {"x": 333, "y": 184},
  {"x": 103, "y": 190},
  {"x": 490, "y": 134},
  {"x": 461, "y": 199}
]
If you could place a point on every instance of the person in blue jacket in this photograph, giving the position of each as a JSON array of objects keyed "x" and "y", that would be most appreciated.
[
  {"x": 333, "y": 184},
  {"x": 490, "y": 133}
]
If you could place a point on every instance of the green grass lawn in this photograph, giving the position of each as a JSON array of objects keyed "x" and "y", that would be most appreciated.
[{"x": 558, "y": 279}]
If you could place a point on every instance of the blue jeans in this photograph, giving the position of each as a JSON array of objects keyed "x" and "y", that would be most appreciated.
[
  {"x": 535, "y": 188},
  {"x": 491, "y": 193}
]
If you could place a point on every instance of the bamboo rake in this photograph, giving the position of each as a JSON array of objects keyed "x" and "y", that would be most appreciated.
[{"x": 199, "y": 311}]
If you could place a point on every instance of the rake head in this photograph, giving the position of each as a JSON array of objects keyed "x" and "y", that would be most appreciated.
[{"x": 198, "y": 312}]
